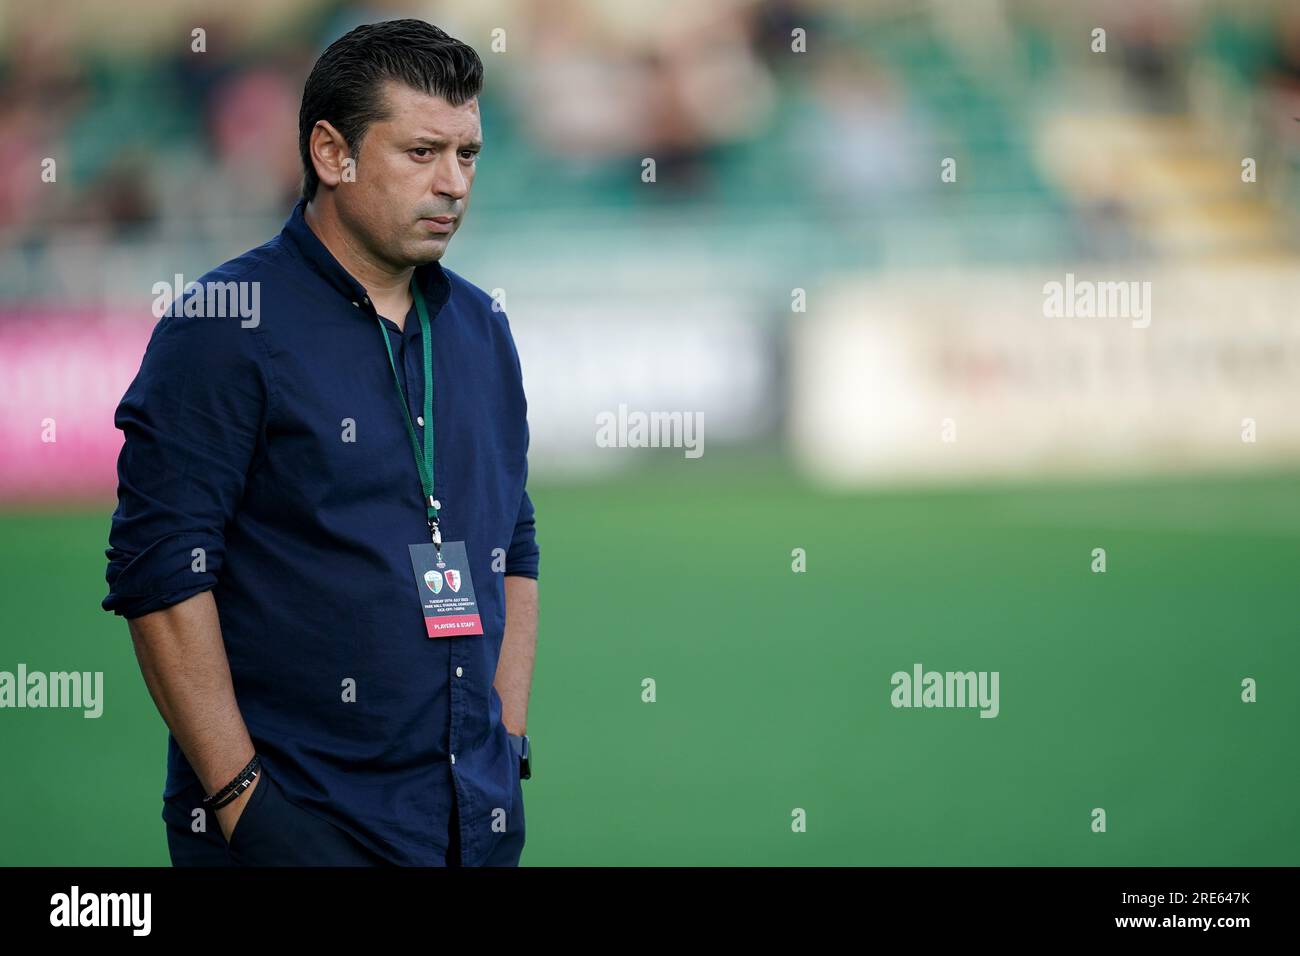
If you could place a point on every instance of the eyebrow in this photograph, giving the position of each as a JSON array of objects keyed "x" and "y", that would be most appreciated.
[{"x": 475, "y": 144}]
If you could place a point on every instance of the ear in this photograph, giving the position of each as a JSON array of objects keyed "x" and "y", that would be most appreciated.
[{"x": 328, "y": 150}]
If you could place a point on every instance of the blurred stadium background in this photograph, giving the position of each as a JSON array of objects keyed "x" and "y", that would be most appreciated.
[{"x": 824, "y": 428}]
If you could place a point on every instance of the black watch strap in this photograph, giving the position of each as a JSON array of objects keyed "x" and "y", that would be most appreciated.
[{"x": 519, "y": 744}]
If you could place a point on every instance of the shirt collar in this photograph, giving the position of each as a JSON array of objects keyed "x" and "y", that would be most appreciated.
[{"x": 432, "y": 278}]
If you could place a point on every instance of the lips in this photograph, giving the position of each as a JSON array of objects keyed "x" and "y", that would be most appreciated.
[{"x": 440, "y": 224}]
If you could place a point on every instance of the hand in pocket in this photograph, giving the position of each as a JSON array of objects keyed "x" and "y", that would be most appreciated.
[{"x": 245, "y": 805}]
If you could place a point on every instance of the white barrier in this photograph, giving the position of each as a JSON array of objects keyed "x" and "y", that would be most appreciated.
[{"x": 964, "y": 375}]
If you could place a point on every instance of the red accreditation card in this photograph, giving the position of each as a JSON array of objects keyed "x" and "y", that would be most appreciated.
[{"x": 446, "y": 589}]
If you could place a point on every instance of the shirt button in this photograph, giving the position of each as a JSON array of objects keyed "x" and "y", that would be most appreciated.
[
  {"x": 453, "y": 758},
  {"x": 459, "y": 672},
  {"x": 419, "y": 419},
  {"x": 355, "y": 305}
]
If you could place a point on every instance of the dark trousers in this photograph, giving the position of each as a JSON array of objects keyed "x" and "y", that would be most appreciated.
[{"x": 272, "y": 831}]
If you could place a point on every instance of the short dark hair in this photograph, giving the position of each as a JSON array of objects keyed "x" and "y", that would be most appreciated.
[{"x": 345, "y": 85}]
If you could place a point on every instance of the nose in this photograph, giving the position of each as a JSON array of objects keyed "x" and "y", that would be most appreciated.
[{"x": 450, "y": 180}]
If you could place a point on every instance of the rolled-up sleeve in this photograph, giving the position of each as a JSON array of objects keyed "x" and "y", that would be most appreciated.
[
  {"x": 524, "y": 557},
  {"x": 192, "y": 421}
]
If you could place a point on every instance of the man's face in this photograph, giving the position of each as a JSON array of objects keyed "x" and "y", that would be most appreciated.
[{"x": 413, "y": 172}]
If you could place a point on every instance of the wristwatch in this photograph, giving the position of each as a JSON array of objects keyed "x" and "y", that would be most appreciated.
[{"x": 519, "y": 744}]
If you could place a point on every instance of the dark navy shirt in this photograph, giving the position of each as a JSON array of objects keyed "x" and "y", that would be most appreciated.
[{"x": 276, "y": 444}]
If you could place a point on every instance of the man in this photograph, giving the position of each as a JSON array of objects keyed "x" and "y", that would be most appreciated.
[{"x": 323, "y": 542}]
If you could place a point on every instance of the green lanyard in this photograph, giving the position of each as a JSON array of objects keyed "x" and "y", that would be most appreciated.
[{"x": 423, "y": 459}]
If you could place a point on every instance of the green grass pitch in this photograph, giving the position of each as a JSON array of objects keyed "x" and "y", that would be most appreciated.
[{"x": 1119, "y": 690}]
